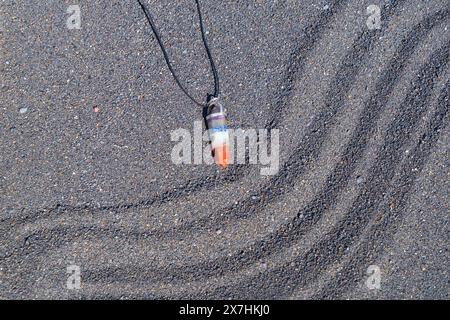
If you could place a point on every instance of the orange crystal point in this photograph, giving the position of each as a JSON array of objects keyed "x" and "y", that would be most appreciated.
[{"x": 222, "y": 156}]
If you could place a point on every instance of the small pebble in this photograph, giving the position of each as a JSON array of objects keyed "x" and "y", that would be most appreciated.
[{"x": 23, "y": 110}]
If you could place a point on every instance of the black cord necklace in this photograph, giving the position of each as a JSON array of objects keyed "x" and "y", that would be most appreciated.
[
  {"x": 166, "y": 56},
  {"x": 215, "y": 115}
]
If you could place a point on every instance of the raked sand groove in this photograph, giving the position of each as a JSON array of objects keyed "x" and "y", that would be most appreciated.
[{"x": 308, "y": 232}]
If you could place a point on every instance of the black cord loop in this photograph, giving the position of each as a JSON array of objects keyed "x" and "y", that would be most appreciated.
[{"x": 166, "y": 56}]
